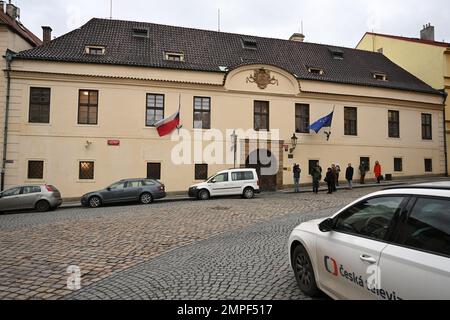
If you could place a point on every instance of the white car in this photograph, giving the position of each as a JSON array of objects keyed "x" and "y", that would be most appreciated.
[
  {"x": 242, "y": 182},
  {"x": 390, "y": 245}
]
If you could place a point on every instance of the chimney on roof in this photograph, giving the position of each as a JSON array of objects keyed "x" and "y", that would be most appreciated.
[
  {"x": 12, "y": 11},
  {"x": 299, "y": 37},
  {"x": 427, "y": 33},
  {"x": 46, "y": 34},
  {"x": 2, "y": 6}
]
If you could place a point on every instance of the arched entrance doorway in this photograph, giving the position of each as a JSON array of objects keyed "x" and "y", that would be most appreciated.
[{"x": 266, "y": 165}]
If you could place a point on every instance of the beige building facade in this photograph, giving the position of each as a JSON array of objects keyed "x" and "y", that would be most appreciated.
[
  {"x": 424, "y": 57},
  {"x": 14, "y": 37},
  {"x": 78, "y": 157}
]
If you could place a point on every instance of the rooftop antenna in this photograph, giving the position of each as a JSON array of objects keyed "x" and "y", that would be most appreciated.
[
  {"x": 110, "y": 9},
  {"x": 218, "y": 19}
]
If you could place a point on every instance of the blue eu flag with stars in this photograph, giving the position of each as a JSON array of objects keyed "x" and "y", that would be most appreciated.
[{"x": 322, "y": 123}]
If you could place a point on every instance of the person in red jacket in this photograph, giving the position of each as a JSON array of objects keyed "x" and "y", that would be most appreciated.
[{"x": 377, "y": 171}]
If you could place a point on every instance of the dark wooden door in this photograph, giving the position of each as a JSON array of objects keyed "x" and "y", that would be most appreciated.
[{"x": 266, "y": 182}]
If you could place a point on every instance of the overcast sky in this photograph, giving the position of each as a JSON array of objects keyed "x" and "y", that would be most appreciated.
[{"x": 337, "y": 22}]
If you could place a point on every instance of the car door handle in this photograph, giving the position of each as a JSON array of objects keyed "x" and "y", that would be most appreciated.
[{"x": 368, "y": 259}]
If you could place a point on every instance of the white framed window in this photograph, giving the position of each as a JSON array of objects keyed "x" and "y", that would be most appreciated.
[
  {"x": 95, "y": 50},
  {"x": 174, "y": 56}
]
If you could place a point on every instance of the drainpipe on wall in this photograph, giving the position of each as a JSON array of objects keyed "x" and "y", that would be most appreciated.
[
  {"x": 444, "y": 94},
  {"x": 9, "y": 57}
]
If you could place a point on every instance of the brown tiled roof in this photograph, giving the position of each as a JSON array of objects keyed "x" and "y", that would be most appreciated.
[
  {"x": 209, "y": 50},
  {"x": 417, "y": 40},
  {"x": 19, "y": 29}
]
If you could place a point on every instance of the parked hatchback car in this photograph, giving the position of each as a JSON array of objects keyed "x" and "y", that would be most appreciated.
[
  {"x": 40, "y": 197},
  {"x": 390, "y": 245},
  {"x": 129, "y": 190},
  {"x": 242, "y": 182}
]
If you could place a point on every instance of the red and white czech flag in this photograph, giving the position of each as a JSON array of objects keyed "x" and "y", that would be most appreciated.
[{"x": 166, "y": 126}]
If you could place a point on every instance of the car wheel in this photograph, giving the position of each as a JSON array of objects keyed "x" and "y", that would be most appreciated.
[
  {"x": 95, "y": 202},
  {"x": 146, "y": 198},
  {"x": 42, "y": 206},
  {"x": 203, "y": 195},
  {"x": 249, "y": 193},
  {"x": 304, "y": 272}
]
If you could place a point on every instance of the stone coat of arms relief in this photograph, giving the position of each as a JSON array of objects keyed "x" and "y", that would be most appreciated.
[{"x": 262, "y": 78}]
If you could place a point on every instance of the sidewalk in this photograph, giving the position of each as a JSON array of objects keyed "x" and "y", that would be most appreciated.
[{"x": 303, "y": 189}]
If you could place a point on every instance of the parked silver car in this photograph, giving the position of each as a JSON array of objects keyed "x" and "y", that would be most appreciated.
[
  {"x": 130, "y": 190},
  {"x": 40, "y": 197}
]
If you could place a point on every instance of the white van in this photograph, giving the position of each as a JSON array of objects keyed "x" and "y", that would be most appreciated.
[{"x": 232, "y": 182}]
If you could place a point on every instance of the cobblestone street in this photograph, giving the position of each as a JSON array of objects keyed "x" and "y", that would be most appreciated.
[{"x": 218, "y": 249}]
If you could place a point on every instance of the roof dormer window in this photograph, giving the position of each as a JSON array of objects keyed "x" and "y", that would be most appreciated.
[
  {"x": 140, "y": 33},
  {"x": 95, "y": 50},
  {"x": 337, "y": 53},
  {"x": 174, "y": 56},
  {"x": 249, "y": 44},
  {"x": 317, "y": 71},
  {"x": 380, "y": 76}
]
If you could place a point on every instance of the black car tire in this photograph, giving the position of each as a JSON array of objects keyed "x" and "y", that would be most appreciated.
[
  {"x": 94, "y": 202},
  {"x": 304, "y": 272},
  {"x": 249, "y": 193},
  {"x": 42, "y": 206},
  {"x": 203, "y": 195},
  {"x": 146, "y": 198}
]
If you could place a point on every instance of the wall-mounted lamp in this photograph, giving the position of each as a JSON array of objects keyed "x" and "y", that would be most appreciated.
[
  {"x": 294, "y": 141},
  {"x": 88, "y": 144}
]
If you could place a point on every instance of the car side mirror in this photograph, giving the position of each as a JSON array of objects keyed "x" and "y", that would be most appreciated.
[
  {"x": 108, "y": 189},
  {"x": 327, "y": 225},
  {"x": 213, "y": 181}
]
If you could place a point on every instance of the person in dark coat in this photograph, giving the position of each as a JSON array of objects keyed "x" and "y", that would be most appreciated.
[
  {"x": 349, "y": 176},
  {"x": 316, "y": 174},
  {"x": 329, "y": 179},
  {"x": 297, "y": 171},
  {"x": 335, "y": 177}
]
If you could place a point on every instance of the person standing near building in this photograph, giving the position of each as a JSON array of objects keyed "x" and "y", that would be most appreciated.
[
  {"x": 316, "y": 174},
  {"x": 338, "y": 172},
  {"x": 329, "y": 179},
  {"x": 349, "y": 176},
  {"x": 335, "y": 175},
  {"x": 377, "y": 171},
  {"x": 362, "y": 172},
  {"x": 297, "y": 171}
]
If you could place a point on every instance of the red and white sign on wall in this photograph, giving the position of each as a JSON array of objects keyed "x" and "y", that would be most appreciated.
[{"x": 114, "y": 143}]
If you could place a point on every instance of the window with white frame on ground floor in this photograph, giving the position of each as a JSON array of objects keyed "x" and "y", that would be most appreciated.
[
  {"x": 202, "y": 113},
  {"x": 154, "y": 109},
  {"x": 201, "y": 172},
  {"x": 86, "y": 170},
  {"x": 398, "y": 164},
  {"x": 88, "y": 107},
  {"x": 302, "y": 120},
  {"x": 39, "y": 111},
  {"x": 312, "y": 165},
  {"x": 35, "y": 170},
  {"x": 428, "y": 165},
  {"x": 154, "y": 170}
]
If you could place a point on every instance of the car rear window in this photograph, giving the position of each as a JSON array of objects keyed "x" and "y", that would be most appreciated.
[
  {"x": 242, "y": 176},
  {"x": 428, "y": 226},
  {"x": 31, "y": 189},
  {"x": 148, "y": 183}
]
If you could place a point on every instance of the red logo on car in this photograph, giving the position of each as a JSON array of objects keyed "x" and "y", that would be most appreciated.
[{"x": 331, "y": 266}]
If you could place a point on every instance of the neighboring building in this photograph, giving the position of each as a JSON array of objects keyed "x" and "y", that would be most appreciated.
[
  {"x": 427, "y": 59},
  {"x": 15, "y": 37},
  {"x": 86, "y": 104}
]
